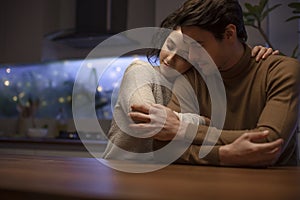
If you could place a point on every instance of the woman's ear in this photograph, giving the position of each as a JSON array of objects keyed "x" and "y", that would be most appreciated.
[{"x": 230, "y": 32}]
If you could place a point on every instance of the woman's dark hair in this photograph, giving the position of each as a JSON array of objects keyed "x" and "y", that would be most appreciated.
[
  {"x": 160, "y": 37},
  {"x": 210, "y": 15}
]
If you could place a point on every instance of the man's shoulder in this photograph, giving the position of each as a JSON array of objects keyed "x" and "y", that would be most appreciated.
[
  {"x": 282, "y": 65},
  {"x": 280, "y": 60}
]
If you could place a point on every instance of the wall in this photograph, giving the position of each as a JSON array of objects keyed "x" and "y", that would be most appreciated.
[
  {"x": 140, "y": 13},
  {"x": 21, "y": 30},
  {"x": 282, "y": 34},
  {"x": 23, "y": 24},
  {"x": 165, "y": 7}
]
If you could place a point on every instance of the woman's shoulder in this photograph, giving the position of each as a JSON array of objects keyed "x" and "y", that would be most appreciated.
[
  {"x": 139, "y": 64},
  {"x": 140, "y": 69}
]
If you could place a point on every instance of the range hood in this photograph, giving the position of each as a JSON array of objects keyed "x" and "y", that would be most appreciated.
[{"x": 96, "y": 20}]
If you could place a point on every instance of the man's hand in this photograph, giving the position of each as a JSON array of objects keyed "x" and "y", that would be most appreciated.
[
  {"x": 244, "y": 152},
  {"x": 156, "y": 119}
]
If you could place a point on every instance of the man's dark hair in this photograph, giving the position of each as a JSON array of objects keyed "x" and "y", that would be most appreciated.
[
  {"x": 210, "y": 15},
  {"x": 213, "y": 16}
]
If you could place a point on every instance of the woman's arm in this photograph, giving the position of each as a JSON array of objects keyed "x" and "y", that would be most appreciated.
[{"x": 260, "y": 52}]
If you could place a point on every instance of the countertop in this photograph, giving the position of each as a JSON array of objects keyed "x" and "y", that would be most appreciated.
[{"x": 48, "y": 177}]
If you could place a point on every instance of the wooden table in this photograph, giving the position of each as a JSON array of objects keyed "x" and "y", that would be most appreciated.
[{"x": 34, "y": 177}]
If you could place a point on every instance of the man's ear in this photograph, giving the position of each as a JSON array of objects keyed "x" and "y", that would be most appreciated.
[{"x": 230, "y": 32}]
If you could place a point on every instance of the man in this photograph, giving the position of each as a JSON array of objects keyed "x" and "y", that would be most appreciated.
[{"x": 262, "y": 97}]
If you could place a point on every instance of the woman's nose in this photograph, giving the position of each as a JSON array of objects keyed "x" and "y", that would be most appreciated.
[{"x": 170, "y": 58}]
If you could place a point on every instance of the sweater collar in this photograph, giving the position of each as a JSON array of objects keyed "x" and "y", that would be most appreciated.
[{"x": 240, "y": 68}]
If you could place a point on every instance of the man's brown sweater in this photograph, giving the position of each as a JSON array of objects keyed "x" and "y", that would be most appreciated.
[{"x": 260, "y": 95}]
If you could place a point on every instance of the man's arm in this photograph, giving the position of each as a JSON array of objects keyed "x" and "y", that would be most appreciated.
[{"x": 242, "y": 152}]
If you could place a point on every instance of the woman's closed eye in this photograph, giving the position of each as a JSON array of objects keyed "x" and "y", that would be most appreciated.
[{"x": 171, "y": 45}]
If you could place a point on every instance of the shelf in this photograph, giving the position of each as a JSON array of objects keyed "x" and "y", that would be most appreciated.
[{"x": 51, "y": 146}]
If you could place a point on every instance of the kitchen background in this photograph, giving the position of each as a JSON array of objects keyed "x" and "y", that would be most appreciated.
[{"x": 44, "y": 42}]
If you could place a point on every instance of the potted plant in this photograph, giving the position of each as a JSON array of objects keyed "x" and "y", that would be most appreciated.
[{"x": 254, "y": 14}]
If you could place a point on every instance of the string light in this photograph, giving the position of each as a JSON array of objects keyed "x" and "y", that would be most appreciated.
[
  {"x": 60, "y": 74},
  {"x": 89, "y": 65},
  {"x": 115, "y": 85},
  {"x": 61, "y": 100},
  {"x": 118, "y": 69},
  {"x": 99, "y": 89},
  {"x": 6, "y": 83},
  {"x": 15, "y": 98},
  {"x": 21, "y": 95},
  {"x": 44, "y": 103}
]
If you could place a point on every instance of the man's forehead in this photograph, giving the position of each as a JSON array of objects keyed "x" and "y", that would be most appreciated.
[
  {"x": 179, "y": 37},
  {"x": 188, "y": 40}
]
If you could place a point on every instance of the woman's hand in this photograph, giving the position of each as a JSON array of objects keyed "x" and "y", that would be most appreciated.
[{"x": 261, "y": 52}]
